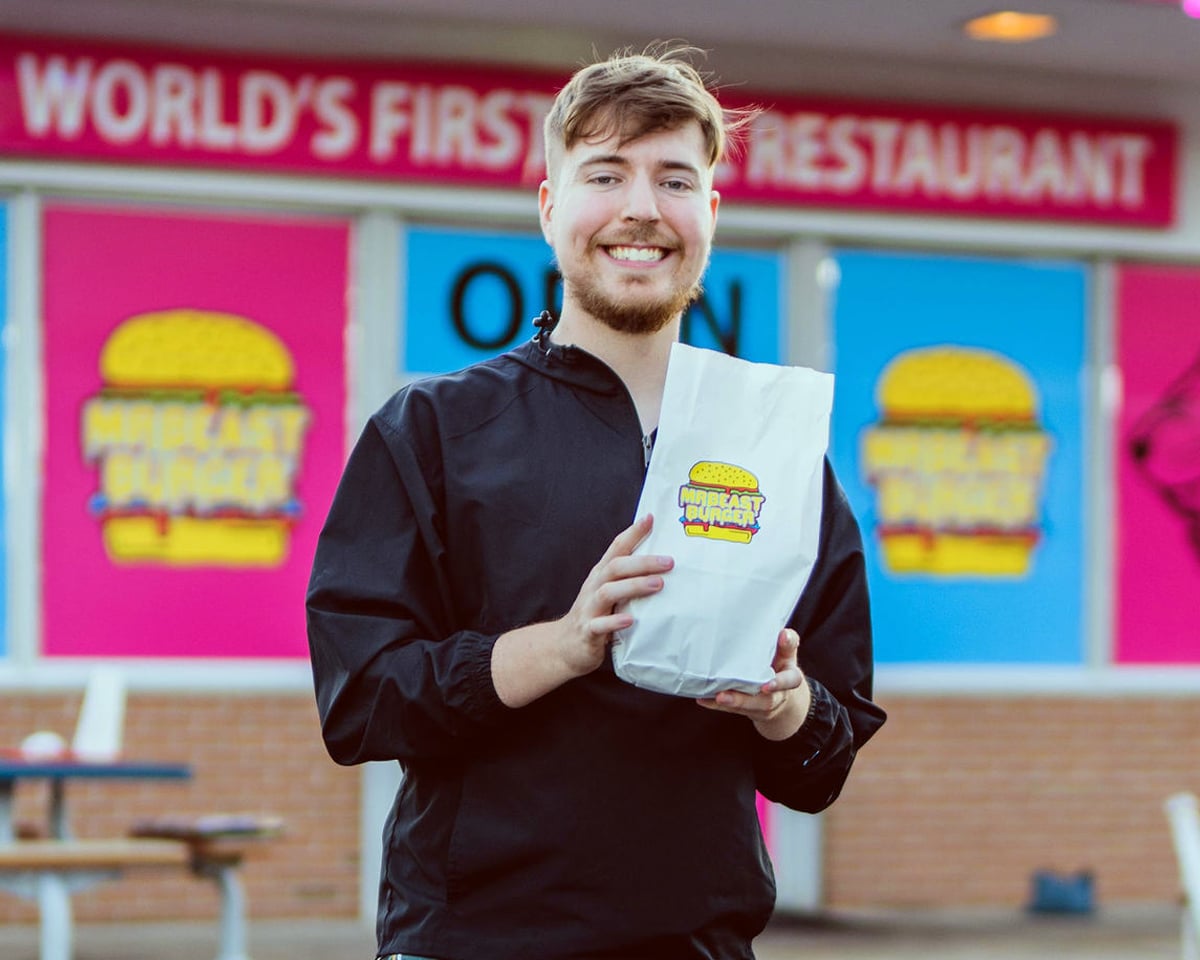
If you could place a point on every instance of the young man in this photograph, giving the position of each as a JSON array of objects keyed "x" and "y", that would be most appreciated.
[{"x": 474, "y": 566}]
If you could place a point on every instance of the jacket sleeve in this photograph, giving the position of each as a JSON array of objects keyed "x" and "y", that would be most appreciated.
[
  {"x": 806, "y": 772},
  {"x": 394, "y": 680}
]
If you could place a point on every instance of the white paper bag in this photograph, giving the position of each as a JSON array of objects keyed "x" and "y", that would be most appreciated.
[{"x": 735, "y": 487}]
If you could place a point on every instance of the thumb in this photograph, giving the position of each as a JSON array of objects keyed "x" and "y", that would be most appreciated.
[{"x": 786, "y": 649}]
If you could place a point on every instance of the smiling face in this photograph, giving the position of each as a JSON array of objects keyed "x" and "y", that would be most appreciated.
[{"x": 631, "y": 225}]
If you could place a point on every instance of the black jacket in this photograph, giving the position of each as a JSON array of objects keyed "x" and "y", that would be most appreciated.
[{"x": 601, "y": 820}]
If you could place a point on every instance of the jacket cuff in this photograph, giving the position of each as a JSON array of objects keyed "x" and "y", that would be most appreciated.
[
  {"x": 819, "y": 726},
  {"x": 481, "y": 704}
]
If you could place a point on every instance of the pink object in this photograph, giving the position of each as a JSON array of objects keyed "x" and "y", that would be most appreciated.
[
  {"x": 1157, "y": 453},
  {"x": 104, "y": 265},
  {"x": 445, "y": 123},
  {"x": 1192, "y": 8},
  {"x": 764, "y": 819}
]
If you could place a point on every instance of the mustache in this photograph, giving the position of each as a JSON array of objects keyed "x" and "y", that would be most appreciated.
[{"x": 642, "y": 235}]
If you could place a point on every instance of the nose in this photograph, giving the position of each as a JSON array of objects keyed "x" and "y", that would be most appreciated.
[{"x": 640, "y": 202}]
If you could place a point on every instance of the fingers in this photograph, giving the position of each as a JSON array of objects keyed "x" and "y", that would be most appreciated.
[
  {"x": 610, "y": 593},
  {"x": 620, "y": 576},
  {"x": 628, "y": 539},
  {"x": 735, "y": 701},
  {"x": 643, "y": 565},
  {"x": 603, "y": 626},
  {"x": 774, "y": 693}
]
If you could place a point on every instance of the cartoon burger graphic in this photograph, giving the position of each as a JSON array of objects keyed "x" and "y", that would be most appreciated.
[
  {"x": 197, "y": 437},
  {"x": 958, "y": 462},
  {"x": 721, "y": 502}
]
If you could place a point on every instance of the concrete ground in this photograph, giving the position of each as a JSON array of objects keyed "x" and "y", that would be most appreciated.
[{"x": 1137, "y": 933}]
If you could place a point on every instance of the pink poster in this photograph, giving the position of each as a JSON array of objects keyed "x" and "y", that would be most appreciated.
[
  {"x": 195, "y": 397},
  {"x": 1158, "y": 465}
]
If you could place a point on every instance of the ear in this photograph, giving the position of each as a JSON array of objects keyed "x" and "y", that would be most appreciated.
[
  {"x": 545, "y": 207},
  {"x": 714, "y": 200}
]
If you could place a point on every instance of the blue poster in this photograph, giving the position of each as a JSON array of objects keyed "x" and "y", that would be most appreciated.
[
  {"x": 471, "y": 294},
  {"x": 958, "y": 433}
]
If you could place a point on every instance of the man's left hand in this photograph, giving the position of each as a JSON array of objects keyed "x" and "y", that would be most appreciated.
[{"x": 779, "y": 708}]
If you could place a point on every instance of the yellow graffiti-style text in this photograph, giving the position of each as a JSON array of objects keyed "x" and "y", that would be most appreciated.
[
  {"x": 948, "y": 479},
  {"x": 701, "y": 505}
]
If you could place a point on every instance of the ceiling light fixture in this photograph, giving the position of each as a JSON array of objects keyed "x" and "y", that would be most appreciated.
[{"x": 1011, "y": 26}]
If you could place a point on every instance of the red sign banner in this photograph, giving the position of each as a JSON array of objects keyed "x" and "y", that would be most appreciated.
[{"x": 439, "y": 123}]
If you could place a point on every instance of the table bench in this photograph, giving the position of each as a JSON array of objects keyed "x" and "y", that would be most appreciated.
[
  {"x": 50, "y": 870},
  {"x": 217, "y": 845}
]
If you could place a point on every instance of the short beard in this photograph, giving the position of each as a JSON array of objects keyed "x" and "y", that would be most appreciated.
[{"x": 631, "y": 317}]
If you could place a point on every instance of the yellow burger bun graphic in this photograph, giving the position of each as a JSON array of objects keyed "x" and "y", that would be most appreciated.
[
  {"x": 180, "y": 348},
  {"x": 197, "y": 438},
  {"x": 958, "y": 462},
  {"x": 721, "y": 502},
  {"x": 957, "y": 385}
]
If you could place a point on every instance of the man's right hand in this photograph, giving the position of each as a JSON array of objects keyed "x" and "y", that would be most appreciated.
[
  {"x": 529, "y": 662},
  {"x": 617, "y": 578}
]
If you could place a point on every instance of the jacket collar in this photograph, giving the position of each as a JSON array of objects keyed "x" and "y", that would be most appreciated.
[{"x": 566, "y": 362}]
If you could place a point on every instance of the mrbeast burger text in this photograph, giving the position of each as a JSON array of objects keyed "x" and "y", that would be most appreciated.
[{"x": 198, "y": 439}]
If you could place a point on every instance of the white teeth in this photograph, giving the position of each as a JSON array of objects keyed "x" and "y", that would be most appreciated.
[{"x": 644, "y": 254}]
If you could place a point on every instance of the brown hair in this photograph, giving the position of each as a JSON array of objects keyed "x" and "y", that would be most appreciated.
[{"x": 635, "y": 94}]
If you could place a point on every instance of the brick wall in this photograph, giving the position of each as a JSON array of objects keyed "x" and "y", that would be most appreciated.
[
  {"x": 248, "y": 754},
  {"x": 956, "y": 802}
]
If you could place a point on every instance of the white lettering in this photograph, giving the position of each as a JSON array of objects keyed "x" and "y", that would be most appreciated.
[
  {"x": 215, "y": 132},
  {"x": 389, "y": 118},
  {"x": 806, "y": 143},
  {"x": 962, "y": 169},
  {"x": 174, "y": 113},
  {"x": 1047, "y": 167},
  {"x": 844, "y": 147},
  {"x": 423, "y": 125},
  {"x": 537, "y": 105},
  {"x": 765, "y": 160},
  {"x": 1133, "y": 150},
  {"x": 883, "y": 135},
  {"x": 456, "y": 126},
  {"x": 918, "y": 166},
  {"x": 268, "y": 112},
  {"x": 339, "y": 131},
  {"x": 120, "y": 101},
  {"x": 1006, "y": 159},
  {"x": 497, "y": 124},
  {"x": 56, "y": 99}
]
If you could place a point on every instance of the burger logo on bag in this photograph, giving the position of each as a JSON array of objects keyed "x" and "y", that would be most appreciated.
[
  {"x": 197, "y": 437},
  {"x": 721, "y": 502},
  {"x": 958, "y": 462}
]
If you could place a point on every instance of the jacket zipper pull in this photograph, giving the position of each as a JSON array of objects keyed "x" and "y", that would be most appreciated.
[{"x": 647, "y": 446}]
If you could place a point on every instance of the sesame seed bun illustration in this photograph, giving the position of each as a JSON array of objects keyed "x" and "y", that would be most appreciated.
[
  {"x": 721, "y": 502},
  {"x": 197, "y": 436},
  {"x": 958, "y": 462},
  {"x": 722, "y": 476}
]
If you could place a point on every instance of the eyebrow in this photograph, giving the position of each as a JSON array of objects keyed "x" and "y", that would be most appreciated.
[{"x": 618, "y": 160}]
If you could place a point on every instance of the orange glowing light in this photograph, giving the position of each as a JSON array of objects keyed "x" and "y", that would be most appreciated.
[{"x": 1011, "y": 26}]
